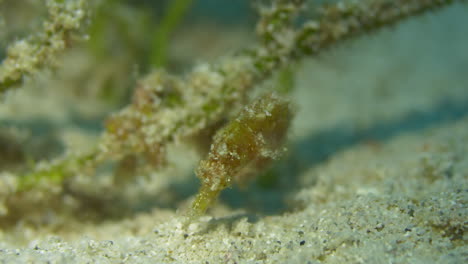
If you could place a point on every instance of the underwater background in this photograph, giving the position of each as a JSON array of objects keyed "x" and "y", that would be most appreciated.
[{"x": 375, "y": 170}]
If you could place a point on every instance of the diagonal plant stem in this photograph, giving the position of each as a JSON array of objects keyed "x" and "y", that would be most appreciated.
[
  {"x": 27, "y": 56},
  {"x": 349, "y": 19},
  {"x": 335, "y": 24}
]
